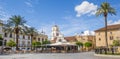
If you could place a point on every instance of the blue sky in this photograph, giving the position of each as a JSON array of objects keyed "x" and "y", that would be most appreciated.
[{"x": 72, "y": 16}]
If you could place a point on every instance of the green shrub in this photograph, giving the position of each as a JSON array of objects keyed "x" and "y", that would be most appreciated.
[
  {"x": 46, "y": 42},
  {"x": 88, "y": 44},
  {"x": 79, "y": 43},
  {"x": 1, "y": 40},
  {"x": 36, "y": 44},
  {"x": 116, "y": 43},
  {"x": 11, "y": 43}
]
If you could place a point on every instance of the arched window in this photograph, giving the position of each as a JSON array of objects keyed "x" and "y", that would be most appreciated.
[
  {"x": 5, "y": 34},
  {"x": 111, "y": 37},
  {"x": 23, "y": 36},
  {"x": 28, "y": 37},
  {"x": 99, "y": 39},
  {"x": 42, "y": 39},
  {"x": 57, "y": 34},
  {"x": 10, "y": 35},
  {"x": 38, "y": 39}
]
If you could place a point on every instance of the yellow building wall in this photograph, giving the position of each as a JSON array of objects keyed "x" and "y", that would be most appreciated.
[
  {"x": 101, "y": 35},
  {"x": 86, "y": 38}
]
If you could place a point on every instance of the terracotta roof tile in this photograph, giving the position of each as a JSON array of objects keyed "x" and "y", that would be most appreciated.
[
  {"x": 110, "y": 27},
  {"x": 71, "y": 38}
]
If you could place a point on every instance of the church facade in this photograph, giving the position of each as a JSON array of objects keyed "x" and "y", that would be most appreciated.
[
  {"x": 87, "y": 37},
  {"x": 56, "y": 35}
]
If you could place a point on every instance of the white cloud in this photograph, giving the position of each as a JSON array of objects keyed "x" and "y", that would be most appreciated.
[
  {"x": 28, "y": 4},
  {"x": 27, "y": 25},
  {"x": 111, "y": 22},
  {"x": 85, "y": 8},
  {"x": 88, "y": 32}
]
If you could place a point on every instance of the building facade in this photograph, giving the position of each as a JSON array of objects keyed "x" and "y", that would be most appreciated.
[
  {"x": 86, "y": 38},
  {"x": 71, "y": 39},
  {"x": 24, "y": 41},
  {"x": 41, "y": 37},
  {"x": 113, "y": 32}
]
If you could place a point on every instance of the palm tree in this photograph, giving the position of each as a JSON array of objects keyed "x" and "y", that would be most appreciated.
[
  {"x": 15, "y": 25},
  {"x": 32, "y": 32},
  {"x": 104, "y": 10}
]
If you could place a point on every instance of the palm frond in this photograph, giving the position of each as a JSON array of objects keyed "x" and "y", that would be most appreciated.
[
  {"x": 32, "y": 31},
  {"x": 105, "y": 8}
]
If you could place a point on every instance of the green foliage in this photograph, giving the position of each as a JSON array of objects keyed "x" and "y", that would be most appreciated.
[
  {"x": 36, "y": 44},
  {"x": 79, "y": 43},
  {"x": 46, "y": 42},
  {"x": 15, "y": 24},
  {"x": 32, "y": 31},
  {"x": 104, "y": 9},
  {"x": 88, "y": 44},
  {"x": 11, "y": 43},
  {"x": 116, "y": 43},
  {"x": 1, "y": 40},
  {"x": 0, "y": 35}
]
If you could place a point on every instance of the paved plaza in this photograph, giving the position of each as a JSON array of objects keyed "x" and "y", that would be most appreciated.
[{"x": 85, "y": 55}]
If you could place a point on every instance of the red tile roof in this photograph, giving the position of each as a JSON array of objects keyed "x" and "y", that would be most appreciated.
[
  {"x": 110, "y": 27},
  {"x": 71, "y": 39},
  {"x": 68, "y": 39}
]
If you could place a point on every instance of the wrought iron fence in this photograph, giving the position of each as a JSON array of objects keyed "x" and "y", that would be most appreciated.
[{"x": 113, "y": 50}]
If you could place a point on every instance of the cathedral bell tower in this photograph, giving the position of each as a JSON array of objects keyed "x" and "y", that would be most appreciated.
[{"x": 55, "y": 32}]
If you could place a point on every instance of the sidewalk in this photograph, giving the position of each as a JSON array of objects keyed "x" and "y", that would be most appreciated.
[
  {"x": 103, "y": 55},
  {"x": 15, "y": 56}
]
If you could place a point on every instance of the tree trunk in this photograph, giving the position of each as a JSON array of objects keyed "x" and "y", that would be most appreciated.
[
  {"x": 31, "y": 41},
  {"x": 17, "y": 42},
  {"x": 106, "y": 31},
  {"x": 17, "y": 36}
]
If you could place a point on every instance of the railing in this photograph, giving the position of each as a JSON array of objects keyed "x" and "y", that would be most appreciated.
[{"x": 106, "y": 51}]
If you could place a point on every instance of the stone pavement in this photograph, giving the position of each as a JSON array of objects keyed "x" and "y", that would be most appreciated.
[{"x": 85, "y": 55}]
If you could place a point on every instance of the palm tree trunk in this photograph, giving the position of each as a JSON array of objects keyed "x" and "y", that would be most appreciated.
[
  {"x": 17, "y": 36},
  {"x": 17, "y": 42},
  {"x": 106, "y": 31},
  {"x": 31, "y": 41}
]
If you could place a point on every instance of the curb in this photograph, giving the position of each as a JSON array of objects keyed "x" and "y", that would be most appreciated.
[{"x": 99, "y": 55}]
